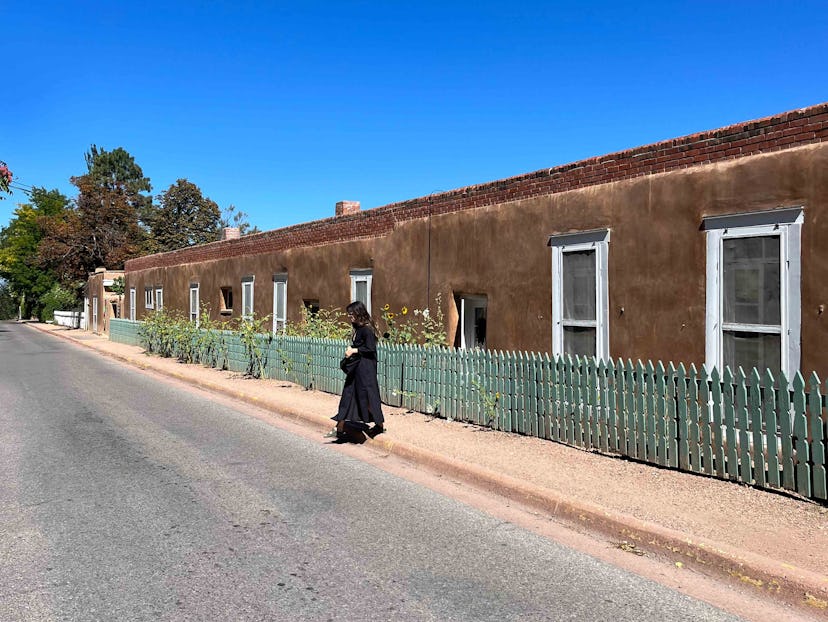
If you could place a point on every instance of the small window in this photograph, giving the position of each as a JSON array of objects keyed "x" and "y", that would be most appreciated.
[
  {"x": 159, "y": 298},
  {"x": 279, "y": 302},
  {"x": 361, "y": 287},
  {"x": 194, "y": 303},
  {"x": 132, "y": 303},
  {"x": 471, "y": 327},
  {"x": 311, "y": 306},
  {"x": 247, "y": 298},
  {"x": 148, "y": 297},
  {"x": 226, "y": 301},
  {"x": 580, "y": 294}
]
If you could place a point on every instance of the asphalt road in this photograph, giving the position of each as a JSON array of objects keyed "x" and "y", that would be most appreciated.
[{"x": 126, "y": 498}]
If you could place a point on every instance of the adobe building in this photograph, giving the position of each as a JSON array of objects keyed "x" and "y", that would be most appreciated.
[
  {"x": 701, "y": 249},
  {"x": 100, "y": 303}
]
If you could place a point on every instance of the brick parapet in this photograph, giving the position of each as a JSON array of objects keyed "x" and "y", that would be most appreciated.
[{"x": 784, "y": 131}]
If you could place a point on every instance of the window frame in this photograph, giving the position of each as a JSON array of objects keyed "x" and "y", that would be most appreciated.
[
  {"x": 148, "y": 297},
  {"x": 247, "y": 300},
  {"x": 365, "y": 275},
  {"x": 159, "y": 298},
  {"x": 194, "y": 317},
  {"x": 787, "y": 224},
  {"x": 279, "y": 322},
  {"x": 597, "y": 240},
  {"x": 132, "y": 304},
  {"x": 467, "y": 304}
]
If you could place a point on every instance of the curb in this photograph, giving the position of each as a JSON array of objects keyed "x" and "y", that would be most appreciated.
[{"x": 804, "y": 590}]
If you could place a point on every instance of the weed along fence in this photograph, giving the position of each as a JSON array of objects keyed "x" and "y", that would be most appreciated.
[{"x": 754, "y": 429}]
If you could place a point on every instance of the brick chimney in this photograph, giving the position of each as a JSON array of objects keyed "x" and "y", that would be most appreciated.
[
  {"x": 230, "y": 233},
  {"x": 343, "y": 208}
]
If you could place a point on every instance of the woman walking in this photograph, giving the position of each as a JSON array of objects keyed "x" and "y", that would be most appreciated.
[{"x": 360, "y": 403}]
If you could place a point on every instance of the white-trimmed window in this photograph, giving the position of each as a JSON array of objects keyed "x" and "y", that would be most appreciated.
[
  {"x": 580, "y": 293},
  {"x": 753, "y": 291},
  {"x": 148, "y": 297},
  {"x": 194, "y": 303},
  {"x": 471, "y": 327},
  {"x": 361, "y": 287},
  {"x": 132, "y": 304},
  {"x": 279, "y": 302},
  {"x": 159, "y": 298},
  {"x": 247, "y": 297}
]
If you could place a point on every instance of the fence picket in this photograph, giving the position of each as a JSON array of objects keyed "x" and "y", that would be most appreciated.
[
  {"x": 818, "y": 479},
  {"x": 803, "y": 450},
  {"x": 755, "y": 395},
  {"x": 650, "y": 414},
  {"x": 705, "y": 421},
  {"x": 693, "y": 418},
  {"x": 771, "y": 432},
  {"x": 660, "y": 414},
  {"x": 783, "y": 409}
]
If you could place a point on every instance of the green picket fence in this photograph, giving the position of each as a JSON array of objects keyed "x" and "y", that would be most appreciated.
[{"x": 760, "y": 430}]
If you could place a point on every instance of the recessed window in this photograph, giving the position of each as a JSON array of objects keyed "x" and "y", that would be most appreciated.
[
  {"x": 132, "y": 304},
  {"x": 753, "y": 306},
  {"x": 247, "y": 297},
  {"x": 226, "y": 301},
  {"x": 580, "y": 294},
  {"x": 194, "y": 303},
  {"x": 148, "y": 297},
  {"x": 311, "y": 306},
  {"x": 471, "y": 327},
  {"x": 279, "y": 302},
  {"x": 159, "y": 298},
  {"x": 361, "y": 287}
]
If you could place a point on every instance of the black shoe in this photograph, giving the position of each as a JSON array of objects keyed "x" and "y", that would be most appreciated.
[{"x": 375, "y": 431}]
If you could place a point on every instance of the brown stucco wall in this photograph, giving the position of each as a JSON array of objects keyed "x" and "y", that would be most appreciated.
[
  {"x": 657, "y": 255},
  {"x": 95, "y": 288}
]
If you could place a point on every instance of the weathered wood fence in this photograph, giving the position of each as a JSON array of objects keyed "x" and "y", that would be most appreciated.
[{"x": 756, "y": 429}]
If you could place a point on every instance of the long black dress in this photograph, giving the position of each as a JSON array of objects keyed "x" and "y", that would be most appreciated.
[{"x": 360, "y": 402}]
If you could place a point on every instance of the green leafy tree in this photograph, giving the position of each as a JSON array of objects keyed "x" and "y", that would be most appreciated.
[
  {"x": 104, "y": 226},
  {"x": 231, "y": 216},
  {"x": 184, "y": 217},
  {"x": 58, "y": 298},
  {"x": 117, "y": 170},
  {"x": 8, "y": 302},
  {"x": 20, "y": 264}
]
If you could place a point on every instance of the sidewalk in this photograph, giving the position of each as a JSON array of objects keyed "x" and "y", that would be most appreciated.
[{"x": 773, "y": 543}]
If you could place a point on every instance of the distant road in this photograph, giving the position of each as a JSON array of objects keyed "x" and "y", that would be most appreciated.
[{"x": 124, "y": 498}]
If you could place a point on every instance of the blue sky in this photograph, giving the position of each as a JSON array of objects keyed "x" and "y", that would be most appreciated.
[{"x": 282, "y": 109}]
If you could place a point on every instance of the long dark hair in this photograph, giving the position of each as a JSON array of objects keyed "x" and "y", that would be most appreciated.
[{"x": 361, "y": 315}]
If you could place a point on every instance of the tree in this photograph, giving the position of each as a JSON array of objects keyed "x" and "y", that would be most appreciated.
[
  {"x": 8, "y": 302},
  {"x": 102, "y": 230},
  {"x": 184, "y": 217},
  {"x": 20, "y": 263},
  {"x": 234, "y": 217},
  {"x": 117, "y": 170},
  {"x": 104, "y": 227}
]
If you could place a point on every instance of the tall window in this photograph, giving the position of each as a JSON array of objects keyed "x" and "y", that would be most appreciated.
[
  {"x": 279, "y": 302},
  {"x": 753, "y": 306},
  {"x": 247, "y": 297},
  {"x": 159, "y": 298},
  {"x": 148, "y": 297},
  {"x": 132, "y": 304},
  {"x": 194, "y": 303},
  {"x": 361, "y": 287},
  {"x": 580, "y": 293}
]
